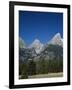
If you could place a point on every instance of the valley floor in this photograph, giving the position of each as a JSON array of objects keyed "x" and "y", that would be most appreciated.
[{"x": 49, "y": 75}]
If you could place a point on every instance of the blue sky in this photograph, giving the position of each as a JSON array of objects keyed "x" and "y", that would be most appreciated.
[{"x": 39, "y": 25}]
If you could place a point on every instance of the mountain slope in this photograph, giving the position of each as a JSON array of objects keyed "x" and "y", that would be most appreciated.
[
  {"x": 37, "y": 45},
  {"x": 51, "y": 52},
  {"x": 56, "y": 40}
]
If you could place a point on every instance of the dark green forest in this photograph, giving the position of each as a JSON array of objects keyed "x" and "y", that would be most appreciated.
[{"x": 40, "y": 67}]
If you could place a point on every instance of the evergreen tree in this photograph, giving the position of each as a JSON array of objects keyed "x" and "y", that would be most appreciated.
[{"x": 31, "y": 67}]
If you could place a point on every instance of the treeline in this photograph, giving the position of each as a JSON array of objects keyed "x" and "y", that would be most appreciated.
[{"x": 41, "y": 66}]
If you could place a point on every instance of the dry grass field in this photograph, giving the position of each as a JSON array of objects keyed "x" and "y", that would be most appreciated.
[{"x": 49, "y": 75}]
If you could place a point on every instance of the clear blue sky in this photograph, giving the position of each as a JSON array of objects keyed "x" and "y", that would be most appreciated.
[{"x": 39, "y": 25}]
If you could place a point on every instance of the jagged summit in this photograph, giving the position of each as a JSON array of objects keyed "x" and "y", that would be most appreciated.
[
  {"x": 36, "y": 41},
  {"x": 37, "y": 45},
  {"x": 57, "y": 36},
  {"x": 56, "y": 40}
]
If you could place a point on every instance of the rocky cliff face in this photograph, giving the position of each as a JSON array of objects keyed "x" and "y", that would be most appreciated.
[{"x": 26, "y": 54}]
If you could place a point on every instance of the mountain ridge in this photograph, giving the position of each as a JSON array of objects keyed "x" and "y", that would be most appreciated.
[
  {"x": 37, "y": 45},
  {"x": 38, "y": 51},
  {"x": 56, "y": 40}
]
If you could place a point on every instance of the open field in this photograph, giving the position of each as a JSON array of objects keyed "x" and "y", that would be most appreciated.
[{"x": 49, "y": 75}]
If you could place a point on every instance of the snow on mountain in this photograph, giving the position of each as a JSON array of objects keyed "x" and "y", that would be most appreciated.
[
  {"x": 37, "y": 45},
  {"x": 56, "y": 40},
  {"x": 21, "y": 43}
]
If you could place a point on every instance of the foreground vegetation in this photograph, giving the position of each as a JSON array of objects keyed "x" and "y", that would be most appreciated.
[{"x": 40, "y": 68}]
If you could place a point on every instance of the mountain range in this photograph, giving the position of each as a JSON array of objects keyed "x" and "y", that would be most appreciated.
[
  {"x": 38, "y": 46},
  {"x": 52, "y": 49},
  {"x": 56, "y": 40}
]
